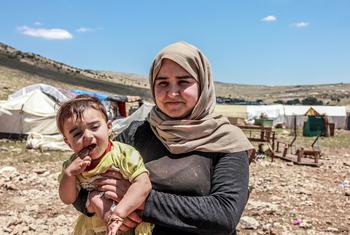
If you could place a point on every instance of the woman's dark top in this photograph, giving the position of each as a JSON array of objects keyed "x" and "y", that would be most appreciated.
[{"x": 193, "y": 193}]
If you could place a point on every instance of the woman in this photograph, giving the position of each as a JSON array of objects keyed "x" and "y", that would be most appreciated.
[{"x": 197, "y": 161}]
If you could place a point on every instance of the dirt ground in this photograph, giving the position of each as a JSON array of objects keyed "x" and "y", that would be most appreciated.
[{"x": 286, "y": 198}]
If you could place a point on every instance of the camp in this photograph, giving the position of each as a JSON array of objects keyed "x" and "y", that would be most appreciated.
[
  {"x": 283, "y": 114},
  {"x": 30, "y": 113}
]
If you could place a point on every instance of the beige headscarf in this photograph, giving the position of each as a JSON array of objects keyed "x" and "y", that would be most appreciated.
[{"x": 201, "y": 130}]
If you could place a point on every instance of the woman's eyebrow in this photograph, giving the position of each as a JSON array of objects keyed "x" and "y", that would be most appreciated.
[
  {"x": 185, "y": 77},
  {"x": 161, "y": 78},
  {"x": 178, "y": 77}
]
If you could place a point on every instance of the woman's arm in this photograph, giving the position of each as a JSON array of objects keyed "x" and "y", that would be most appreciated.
[
  {"x": 135, "y": 196},
  {"x": 214, "y": 214}
]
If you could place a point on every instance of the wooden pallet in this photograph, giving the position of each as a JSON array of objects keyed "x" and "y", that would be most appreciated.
[{"x": 299, "y": 159}]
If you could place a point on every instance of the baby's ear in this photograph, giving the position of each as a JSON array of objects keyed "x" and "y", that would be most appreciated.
[
  {"x": 109, "y": 126},
  {"x": 66, "y": 141}
]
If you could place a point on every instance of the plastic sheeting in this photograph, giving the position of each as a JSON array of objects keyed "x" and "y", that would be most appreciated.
[{"x": 119, "y": 125}]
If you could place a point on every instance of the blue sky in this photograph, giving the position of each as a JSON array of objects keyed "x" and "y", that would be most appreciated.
[{"x": 272, "y": 42}]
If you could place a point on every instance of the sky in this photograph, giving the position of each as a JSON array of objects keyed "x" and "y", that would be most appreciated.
[{"x": 270, "y": 42}]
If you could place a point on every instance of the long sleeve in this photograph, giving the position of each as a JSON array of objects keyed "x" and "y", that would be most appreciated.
[
  {"x": 80, "y": 203},
  {"x": 218, "y": 213}
]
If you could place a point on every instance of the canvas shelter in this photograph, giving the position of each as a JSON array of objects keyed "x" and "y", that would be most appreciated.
[
  {"x": 272, "y": 112},
  {"x": 58, "y": 95},
  {"x": 31, "y": 112},
  {"x": 335, "y": 114},
  {"x": 284, "y": 114}
]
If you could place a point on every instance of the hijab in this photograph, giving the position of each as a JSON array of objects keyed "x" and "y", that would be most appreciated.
[{"x": 201, "y": 130}]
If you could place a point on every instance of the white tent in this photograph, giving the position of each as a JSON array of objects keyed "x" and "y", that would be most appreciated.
[
  {"x": 31, "y": 112},
  {"x": 46, "y": 89},
  {"x": 285, "y": 113},
  {"x": 274, "y": 112},
  {"x": 335, "y": 114}
]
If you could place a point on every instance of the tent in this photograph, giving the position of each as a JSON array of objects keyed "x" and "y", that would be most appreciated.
[
  {"x": 56, "y": 94},
  {"x": 273, "y": 112},
  {"x": 315, "y": 123},
  {"x": 32, "y": 112},
  {"x": 335, "y": 114},
  {"x": 284, "y": 114}
]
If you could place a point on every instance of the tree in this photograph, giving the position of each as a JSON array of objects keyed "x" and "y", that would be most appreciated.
[
  {"x": 293, "y": 102},
  {"x": 278, "y": 102},
  {"x": 311, "y": 101}
]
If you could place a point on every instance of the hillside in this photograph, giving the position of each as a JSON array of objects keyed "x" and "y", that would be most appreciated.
[{"x": 18, "y": 69}]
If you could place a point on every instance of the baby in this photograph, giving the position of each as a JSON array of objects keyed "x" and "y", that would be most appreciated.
[{"x": 86, "y": 129}]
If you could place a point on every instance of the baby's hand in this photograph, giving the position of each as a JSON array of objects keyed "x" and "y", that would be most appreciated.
[
  {"x": 78, "y": 166},
  {"x": 114, "y": 223}
]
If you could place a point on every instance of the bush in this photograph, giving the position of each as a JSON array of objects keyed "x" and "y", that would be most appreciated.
[{"x": 311, "y": 101}]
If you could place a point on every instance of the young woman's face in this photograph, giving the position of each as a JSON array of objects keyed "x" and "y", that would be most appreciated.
[
  {"x": 92, "y": 129},
  {"x": 176, "y": 91}
]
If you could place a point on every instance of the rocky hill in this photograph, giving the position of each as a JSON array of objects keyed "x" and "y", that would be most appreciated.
[{"x": 18, "y": 69}]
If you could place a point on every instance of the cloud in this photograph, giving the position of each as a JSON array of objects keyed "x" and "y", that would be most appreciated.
[
  {"x": 84, "y": 30},
  {"x": 37, "y": 23},
  {"x": 301, "y": 24},
  {"x": 269, "y": 18},
  {"x": 50, "y": 34}
]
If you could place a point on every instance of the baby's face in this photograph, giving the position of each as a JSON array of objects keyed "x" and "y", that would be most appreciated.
[{"x": 92, "y": 130}]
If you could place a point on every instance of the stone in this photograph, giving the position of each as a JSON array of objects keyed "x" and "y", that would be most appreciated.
[
  {"x": 347, "y": 192},
  {"x": 39, "y": 171},
  {"x": 7, "y": 170},
  {"x": 305, "y": 224},
  {"x": 332, "y": 230},
  {"x": 248, "y": 222}
]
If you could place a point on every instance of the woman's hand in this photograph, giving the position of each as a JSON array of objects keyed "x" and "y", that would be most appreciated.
[
  {"x": 113, "y": 184},
  {"x": 130, "y": 222}
]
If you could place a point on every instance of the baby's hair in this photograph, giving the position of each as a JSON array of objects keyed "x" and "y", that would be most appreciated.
[{"x": 77, "y": 106}]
